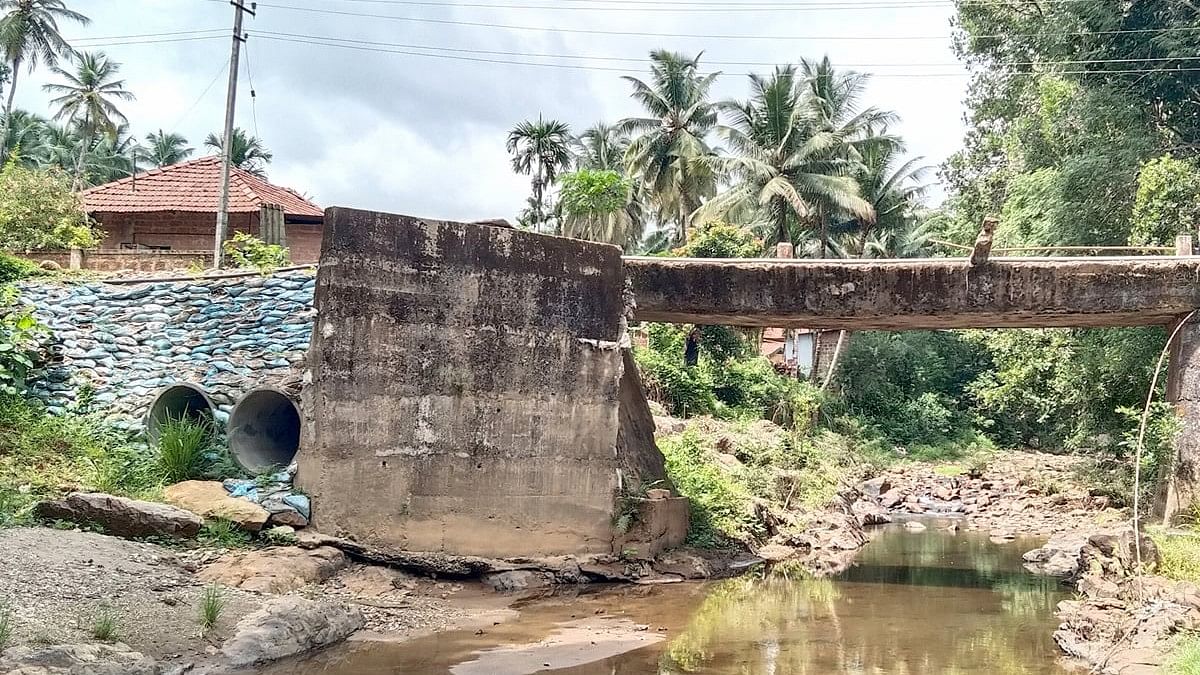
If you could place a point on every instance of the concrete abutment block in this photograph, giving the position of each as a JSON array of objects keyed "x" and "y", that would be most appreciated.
[{"x": 465, "y": 389}]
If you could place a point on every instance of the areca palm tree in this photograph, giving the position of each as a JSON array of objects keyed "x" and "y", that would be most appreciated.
[
  {"x": 247, "y": 152},
  {"x": 87, "y": 100},
  {"x": 540, "y": 149},
  {"x": 29, "y": 35},
  {"x": 788, "y": 167},
  {"x": 667, "y": 154},
  {"x": 165, "y": 149}
]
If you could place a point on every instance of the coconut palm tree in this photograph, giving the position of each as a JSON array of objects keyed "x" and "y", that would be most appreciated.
[
  {"x": 670, "y": 145},
  {"x": 601, "y": 148},
  {"x": 247, "y": 153},
  {"x": 29, "y": 35},
  {"x": 164, "y": 149},
  {"x": 87, "y": 100},
  {"x": 834, "y": 101},
  {"x": 787, "y": 166},
  {"x": 25, "y": 137},
  {"x": 540, "y": 149},
  {"x": 895, "y": 189}
]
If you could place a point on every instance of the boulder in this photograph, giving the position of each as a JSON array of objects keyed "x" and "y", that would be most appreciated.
[
  {"x": 875, "y": 486},
  {"x": 279, "y": 569},
  {"x": 891, "y": 498},
  {"x": 1059, "y": 557},
  {"x": 83, "y": 659},
  {"x": 915, "y": 526},
  {"x": 121, "y": 516},
  {"x": 870, "y": 513},
  {"x": 209, "y": 499},
  {"x": 776, "y": 552},
  {"x": 287, "y": 626},
  {"x": 283, "y": 513},
  {"x": 517, "y": 580}
]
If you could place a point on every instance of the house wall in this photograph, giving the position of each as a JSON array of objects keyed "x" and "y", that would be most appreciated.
[{"x": 189, "y": 231}]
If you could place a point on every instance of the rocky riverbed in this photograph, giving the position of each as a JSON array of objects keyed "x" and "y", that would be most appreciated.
[
  {"x": 58, "y": 585},
  {"x": 1016, "y": 493}
]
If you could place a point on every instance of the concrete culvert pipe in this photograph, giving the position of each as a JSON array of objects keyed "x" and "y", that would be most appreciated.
[
  {"x": 264, "y": 430},
  {"x": 178, "y": 401}
]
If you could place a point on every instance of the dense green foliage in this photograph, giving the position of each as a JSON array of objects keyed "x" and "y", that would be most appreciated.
[
  {"x": 248, "y": 251},
  {"x": 182, "y": 445},
  {"x": 39, "y": 210},
  {"x": 1167, "y": 201},
  {"x": 20, "y": 333},
  {"x": 13, "y": 268},
  {"x": 594, "y": 204}
]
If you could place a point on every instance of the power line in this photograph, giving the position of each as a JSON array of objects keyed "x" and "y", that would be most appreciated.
[
  {"x": 253, "y": 93},
  {"x": 694, "y": 7},
  {"x": 642, "y": 60},
  {"x": 204, "y": 93},
  {"x": 572, "y": 66},
  {"x": 597, "y": 31},
  {"x": 151, "y": 42},
  {"x": 142, "y": 35}
]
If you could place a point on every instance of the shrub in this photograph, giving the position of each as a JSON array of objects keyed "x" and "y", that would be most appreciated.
[
  {"x": 182, "y": 444},
  {"x": 720, "y": 506},
  {"x": 40, "y": 452},
  {"x": 13, "y": 268},
  {"x": 683, "y": 391},
  {"x": 20, "y": 334},
  {"x": 1178, "y": 555},
  {"x": 248, "y": 251},
  {"x": 40, "y": 210}
]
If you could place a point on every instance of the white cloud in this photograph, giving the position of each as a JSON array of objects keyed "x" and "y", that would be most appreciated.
[{"x": 426, "y": 135}]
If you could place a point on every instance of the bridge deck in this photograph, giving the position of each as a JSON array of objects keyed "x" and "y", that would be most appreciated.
[{"x": 916, "y": 293}]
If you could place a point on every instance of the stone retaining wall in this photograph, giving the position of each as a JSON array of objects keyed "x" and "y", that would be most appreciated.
[{"x": 117, "y": 345}]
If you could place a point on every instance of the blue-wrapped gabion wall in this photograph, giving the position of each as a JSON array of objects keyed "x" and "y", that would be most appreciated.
[{"x": 115, "y": 345}]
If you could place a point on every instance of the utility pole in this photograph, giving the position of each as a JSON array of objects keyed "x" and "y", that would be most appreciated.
[{"x": 227, "y": 145}]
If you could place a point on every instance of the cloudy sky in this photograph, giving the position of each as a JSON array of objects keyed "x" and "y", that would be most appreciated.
[{"x": 372, "y": 128}]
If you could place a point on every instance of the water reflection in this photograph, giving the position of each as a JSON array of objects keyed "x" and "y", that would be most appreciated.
[{"x": 929, "y": 602}]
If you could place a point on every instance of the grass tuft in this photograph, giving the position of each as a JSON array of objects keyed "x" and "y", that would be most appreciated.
[
  {"x": 104, "y": 625},
  {"x": 1178, "y": 556},
  {"x": 211, "y": 605},
  {"x": 182, "y": 443},
  {"x": 222, "y": 533},
  {"x": 6, "y": 624},
  {"x": 1184, "y": 658}
]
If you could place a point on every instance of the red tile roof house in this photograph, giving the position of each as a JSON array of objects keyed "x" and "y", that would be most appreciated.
[{"x": 175, "y": 208}]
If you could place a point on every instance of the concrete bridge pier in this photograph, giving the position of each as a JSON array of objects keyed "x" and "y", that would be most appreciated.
[
  {"x": 468, "y": 391},
  {"x": 1179, "y": 484}
]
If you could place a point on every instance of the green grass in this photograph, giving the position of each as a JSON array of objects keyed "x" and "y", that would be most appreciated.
[
  {"x": 104, "y": 625},
  {"x": 211, "y": 605},
  {"x": 1184, "y": 658},
  {"x": 222, "y": 533},
  {"x": 182, "y": 443},
  {"x": 6, "y": 624},
  {"x": 1178, "y": 555},
  {"x": 40, "y": 453}
]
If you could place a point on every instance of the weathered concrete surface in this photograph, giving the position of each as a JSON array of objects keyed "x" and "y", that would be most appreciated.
[
  {"x": 917, "y": 294},
  {"x": 1179, "y": 475},
  {"x": 464, "y": 385}
]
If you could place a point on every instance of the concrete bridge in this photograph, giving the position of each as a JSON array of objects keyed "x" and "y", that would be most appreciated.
[{"x": 471, "y": 392}]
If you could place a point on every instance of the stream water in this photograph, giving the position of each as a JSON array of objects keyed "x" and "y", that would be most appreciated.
[{"x": 929, "y": 602}]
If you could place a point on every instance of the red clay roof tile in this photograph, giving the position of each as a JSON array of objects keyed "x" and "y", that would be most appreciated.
[{"x": 194, "y": 186}]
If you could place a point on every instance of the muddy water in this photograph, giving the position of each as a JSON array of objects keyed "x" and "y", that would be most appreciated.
[{"x": 930, "y": 602}]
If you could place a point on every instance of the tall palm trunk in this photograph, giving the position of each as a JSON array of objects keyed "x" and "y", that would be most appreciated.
[
  {"x": 8, "y": 106},
  {"x": 84, "y": 143}
]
